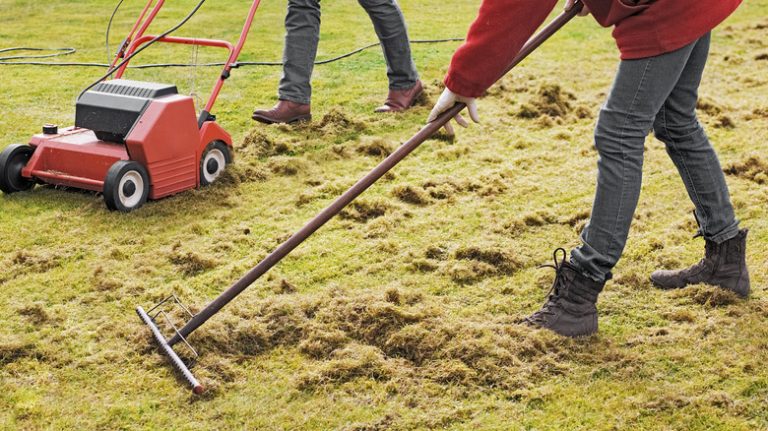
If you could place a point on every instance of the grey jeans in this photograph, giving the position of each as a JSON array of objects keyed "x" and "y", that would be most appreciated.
[
  {"x": 302, "y": 25},
  {"x": 659, "y": 94}
]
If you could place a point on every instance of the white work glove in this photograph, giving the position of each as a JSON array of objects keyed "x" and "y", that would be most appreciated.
[
  {"x": 569, "y": 4},
  {"x": 446, "y": 101}
]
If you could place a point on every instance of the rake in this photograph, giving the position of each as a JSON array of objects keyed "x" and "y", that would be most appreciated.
[{"x": 197, "y": 320}]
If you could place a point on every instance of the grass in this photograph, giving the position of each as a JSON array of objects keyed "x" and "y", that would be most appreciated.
[{"x": 399, "y": 315}]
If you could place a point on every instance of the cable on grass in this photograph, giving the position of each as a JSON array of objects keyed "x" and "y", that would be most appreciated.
[{"x": 69, "y": 51}]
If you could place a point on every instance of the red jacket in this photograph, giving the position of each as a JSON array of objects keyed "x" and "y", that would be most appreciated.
[{"x": 642, "y": 28}]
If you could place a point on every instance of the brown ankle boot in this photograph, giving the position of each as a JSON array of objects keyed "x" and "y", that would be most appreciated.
[
  {"x": 571, "y": 308},
  {"x": 285, "y": 112},
  {"x": 724, "y": 265},
  {"x": 400, "y": 100}
]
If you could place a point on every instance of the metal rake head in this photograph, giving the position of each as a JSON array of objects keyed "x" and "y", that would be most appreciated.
[{"x": 158, "y": 312}]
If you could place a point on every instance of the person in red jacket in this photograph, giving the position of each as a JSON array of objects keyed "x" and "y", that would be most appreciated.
[{"x": 664, "y": 46}]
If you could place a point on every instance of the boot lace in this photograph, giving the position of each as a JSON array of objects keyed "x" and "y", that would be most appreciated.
[
  {"x": 553, "y": 296},
  {"x": 710, "y": 252}
]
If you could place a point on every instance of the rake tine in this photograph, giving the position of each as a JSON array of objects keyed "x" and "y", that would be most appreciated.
[
  {"x": 192, "y": 362},
  {"x": 175, "y": 299},
  {"x": 197, "y": 388}
]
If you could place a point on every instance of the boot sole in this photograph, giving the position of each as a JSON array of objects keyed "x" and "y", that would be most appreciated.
[
  {"x": 663, "y": 287},
  {"x": 388, "y": 110},
  {"x": 298, "y": 119},
  {"x": 562, "y": 334}
]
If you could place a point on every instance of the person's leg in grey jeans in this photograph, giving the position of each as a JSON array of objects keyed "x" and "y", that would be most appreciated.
[
  {"x": 389, "y": 23},
  {"x": 656, "y": 93},
  {"x": 302, "y": 26}
]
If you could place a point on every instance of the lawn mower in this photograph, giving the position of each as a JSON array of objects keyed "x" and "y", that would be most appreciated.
[
  {"x": 158, "y": 315},
  {"x": 132, "y": 140}
]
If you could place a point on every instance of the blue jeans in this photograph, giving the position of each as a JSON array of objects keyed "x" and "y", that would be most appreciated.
[
  {"x": 659, "y": 94},
  {"x": 302, "y": 25}
]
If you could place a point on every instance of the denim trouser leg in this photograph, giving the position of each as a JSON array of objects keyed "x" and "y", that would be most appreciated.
[
  {"x": 652, "y": 93},
  {"x": 302, "y": 25},
  {"x": 389, "y": 23},
  {"x": 689, "y": 148}
]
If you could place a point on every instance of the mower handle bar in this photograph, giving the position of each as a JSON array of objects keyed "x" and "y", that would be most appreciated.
[
  {"x": 340, "y": 203},
  {"x": 179, "y": 40},
  {"x": 138, "y": 28},
  {"x": 234, "y": 49}
]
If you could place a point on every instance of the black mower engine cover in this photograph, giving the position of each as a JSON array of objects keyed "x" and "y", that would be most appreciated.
[{"x": 111, "y": 108}]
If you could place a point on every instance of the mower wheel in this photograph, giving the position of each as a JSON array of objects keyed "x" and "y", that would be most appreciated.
[
  {"x": 214, "y": 161},
  {"x": 12, "y": 161},
  {"x": 126, "y": 187}
]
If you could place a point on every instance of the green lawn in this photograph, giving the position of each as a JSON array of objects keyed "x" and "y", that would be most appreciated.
[{"x": 397, "y": 322}]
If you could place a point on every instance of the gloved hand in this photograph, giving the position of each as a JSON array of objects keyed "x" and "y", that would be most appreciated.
[
  {"x": 569, "y": 4},
  {"x": 446, "y": 101}
]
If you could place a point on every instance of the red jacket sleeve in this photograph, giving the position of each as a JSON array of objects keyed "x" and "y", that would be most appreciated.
[{"x": 501, "y": 29}]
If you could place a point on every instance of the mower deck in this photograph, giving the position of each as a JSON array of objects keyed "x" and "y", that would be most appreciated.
[{"x": 73, "y": 158}]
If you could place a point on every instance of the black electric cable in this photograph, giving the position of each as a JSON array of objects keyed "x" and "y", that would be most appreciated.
[
  {"x": 241, "y": 63},
  {"x": 143, "y": 47},
  {"x": 109, "y": 28},
  {"x": 349, "y": 54},
  {"x": 68, "y": 51},
  {"x": 59, "y": 52}
]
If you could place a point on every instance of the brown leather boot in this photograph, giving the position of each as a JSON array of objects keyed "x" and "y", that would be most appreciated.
[
  {"x": 724, "y": 265},
  {"x": 285, "y": 112},
  {"x": 400, "y": 100},
  {"x": 571, "y": 308}
]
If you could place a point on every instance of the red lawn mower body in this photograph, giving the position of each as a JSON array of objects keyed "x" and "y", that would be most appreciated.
[
  {"x": 132, "y": 140},
  {"x": 166, "y": 140}
]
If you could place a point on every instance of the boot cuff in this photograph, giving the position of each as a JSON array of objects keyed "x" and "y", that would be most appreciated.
[{"x": 582, "y": 288}]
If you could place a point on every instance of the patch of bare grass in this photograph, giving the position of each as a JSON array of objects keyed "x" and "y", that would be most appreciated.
[
  {"x": 411, "y": 195},
  {"x": 632, "y": 279},
  {"x": 262, "y": 145},
  {"x": 424, "y": 265},
  {"x": 336, "y": 121},
  {"x": 35, "y": 313},
  {"x": 436, "y": 252},
  {"x": 724, "y": 122},
  {"x": 37, "y": 262},
  {"x": 319, "y": 342},
  {"x": 349, "y": 363},
  {"x": 284, "y": 287},
  {"x": 445, "y": 188},
  {"x": 709, "y": 106},
  {"x": 362, "y": 211},
  {"x": 473, "y": 264},
  {"x": 383, "y": 424},
  {"x": 12, "y": 351},
  {"x": 470, "y": 272},
  {"x": 708, "y": 296},
  {"x": 191, "y": 263},
  {"x": 757, "y": 114},
  {"x": 681, "y": 316},
  {"x": 551, "y": 101},
  {"x": 242, "y": 172},
  {"x": 504, "y": 261},
  {"x": 375, "y": 147},
  {"x": 754, "y": 168},
  {"x": 533, "y": 220},
  {"x": 287, "y": 166}
]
